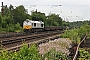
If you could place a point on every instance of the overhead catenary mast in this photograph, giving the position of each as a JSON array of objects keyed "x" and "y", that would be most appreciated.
[{"x": 2, "y": 10}]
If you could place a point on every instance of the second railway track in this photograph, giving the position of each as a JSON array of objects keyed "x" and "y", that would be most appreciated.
[
  {"x": 11, "y": 43},
  {"x": 85, "y": 44}
]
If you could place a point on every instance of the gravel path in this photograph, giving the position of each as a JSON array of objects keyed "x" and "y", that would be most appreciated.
[{"x": 60, "y": 44}]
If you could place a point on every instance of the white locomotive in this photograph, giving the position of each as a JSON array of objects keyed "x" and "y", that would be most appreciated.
[{"x": 33, "y": 26}]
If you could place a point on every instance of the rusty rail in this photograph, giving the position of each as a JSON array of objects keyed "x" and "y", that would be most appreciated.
[
  {"x": 17, "y": 48},
  {"x": 75, "y": 56},
  {"x": 11, "y": 44}
]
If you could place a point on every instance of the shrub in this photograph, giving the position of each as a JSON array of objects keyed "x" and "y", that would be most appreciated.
[
  {"x": 76, "y": 34},
  {"x": 84, "y": 55},
  {"x": 53, "y": 55},
  {"x": 25, "y": 53}
]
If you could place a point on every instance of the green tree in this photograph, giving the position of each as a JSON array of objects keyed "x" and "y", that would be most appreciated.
[
  {"x": 10, "y": 28},
  {"x": 0, "y": 21},
  {"x": 17, "y": 28},
  {"x": 7, "y": 18},
  {"x": 19, "y": 14},
  {"x": 54, "y": 20},
  {"x": 38, "y": 16},
  {"x": 65, "y": 23},
  {"x": 11, "y": 8}
]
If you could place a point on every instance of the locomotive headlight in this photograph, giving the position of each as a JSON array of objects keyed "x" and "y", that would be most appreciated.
[{"x": 27, "y": 27}]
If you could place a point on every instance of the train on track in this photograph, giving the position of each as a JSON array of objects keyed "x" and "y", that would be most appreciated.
[{"x": 38, "y": 26}]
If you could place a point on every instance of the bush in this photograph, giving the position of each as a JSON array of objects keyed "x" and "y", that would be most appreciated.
[
  {"x": 14, "y": 28},
  {"x": 76, "y": 34},
  {"x": 25, "y": 53},
  {"x": 18, "y": 28},
  {"x": 53, "y": 55},
  {"x": 84, "y": 55},
  {"x": 32, "y": 53},
  {"x": 10, "y": 28}
]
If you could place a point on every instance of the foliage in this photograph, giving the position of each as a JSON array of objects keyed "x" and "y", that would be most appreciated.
[
  {"x": 25, "y": 53},
  {"x": 54, "y": 20},
  {"x": 0, "y": 21},
  {"x": 84, "y": 55},
  {"x": 10, "y": 28},
  {"x": 77, "y": 33},
  {"x": 78, "y": 24},
  {"x": 66, "y": 23},
  {"x": 13, "y": 16},
  {"x": 53, "y": 55},
  {"x": 50, "y": 20},
  {"x": 32, "y": 53},
  {"x": 19, "y": 14},
  {"x": 38, "y": 16},
  {"x": 13, "y": 28},
  {"x": 72, "y": 34},
  {"x": 17, "y": 28}
]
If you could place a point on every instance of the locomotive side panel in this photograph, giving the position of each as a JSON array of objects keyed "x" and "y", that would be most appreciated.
[{"x": 32, "y": 26}]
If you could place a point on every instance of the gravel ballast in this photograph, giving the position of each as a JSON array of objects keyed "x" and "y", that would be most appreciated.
[{"x": 60, "y": 44}]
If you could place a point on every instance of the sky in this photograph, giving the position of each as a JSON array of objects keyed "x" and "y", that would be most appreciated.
[{"x": 69, "y": 10}]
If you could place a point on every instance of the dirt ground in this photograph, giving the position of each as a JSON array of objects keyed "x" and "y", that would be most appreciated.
[{"x": 60, "y": 44}]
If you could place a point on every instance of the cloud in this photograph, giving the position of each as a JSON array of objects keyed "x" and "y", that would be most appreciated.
[{"x": 71, "y": 10}]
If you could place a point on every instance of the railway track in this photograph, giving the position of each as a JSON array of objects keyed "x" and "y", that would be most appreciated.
[
  {"x": 15, "y": 42},
  {"x": 86, "y": 43},
  {"x": 12, "y": 34},
  {"x": 78, "y": 46},
  {"x": 75, "y": 48}
]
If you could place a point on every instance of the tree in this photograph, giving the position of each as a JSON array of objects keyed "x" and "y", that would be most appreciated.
[
  {"x": 11, "y": 8},
  {"x": 54, "y": 20},
  {"x": 38, "y": 16},
  {"x": 19, "y": 14},
  {"x": 0, "y": 21}
]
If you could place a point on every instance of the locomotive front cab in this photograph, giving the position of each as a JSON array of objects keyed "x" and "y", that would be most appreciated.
[{"x": 27, "y": 25}]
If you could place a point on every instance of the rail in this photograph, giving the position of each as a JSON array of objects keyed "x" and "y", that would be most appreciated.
[
  {"x": 6, "y": 35},
  {"x": 75, "y": 56},
  {"x": 11, "y": 43},
  {"x": 17, "y": 48}
]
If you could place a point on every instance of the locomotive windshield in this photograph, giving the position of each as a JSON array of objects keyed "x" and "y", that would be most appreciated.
[{"x": 41, "y": 25}]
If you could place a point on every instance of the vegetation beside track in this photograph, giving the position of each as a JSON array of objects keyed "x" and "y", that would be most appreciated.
[
  {"x": 84, "y": 55},
  {"x": 11, "y": 28},
  {"x": 32, "y": 53},
  {"x": 13, "y": 18},
  {"x": 76, "y": 35}
]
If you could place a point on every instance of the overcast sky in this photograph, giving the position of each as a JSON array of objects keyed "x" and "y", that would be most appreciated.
[{"x": 70, "y": 10}]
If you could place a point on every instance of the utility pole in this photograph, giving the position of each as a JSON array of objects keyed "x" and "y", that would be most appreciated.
[
  {"x": 36, "y": 15},
  {"x": 2, "y": 10}
]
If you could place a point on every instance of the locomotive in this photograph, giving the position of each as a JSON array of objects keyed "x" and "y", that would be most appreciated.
[
  {"x": 38, "y": 26},
  {"x": 33, "y": 26}
]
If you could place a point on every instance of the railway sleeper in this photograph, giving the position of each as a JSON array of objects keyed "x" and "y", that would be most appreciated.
[
  {"x": 10, "y": 42},
  {"x": 29, "y": 39},
  {"x": 14, "y": 41},
  {"x": 39, "y": 42}
]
